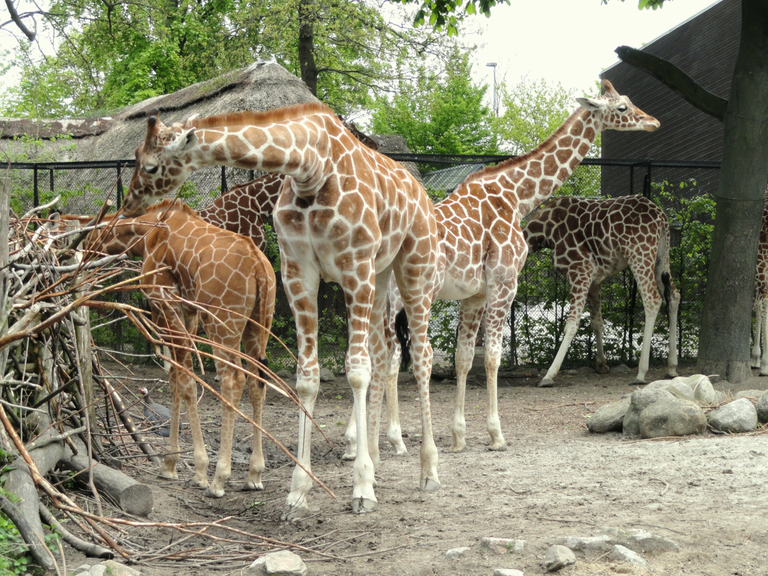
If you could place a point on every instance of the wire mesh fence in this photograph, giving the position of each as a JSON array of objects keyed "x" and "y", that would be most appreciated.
[{"x": 685, "y": 191}]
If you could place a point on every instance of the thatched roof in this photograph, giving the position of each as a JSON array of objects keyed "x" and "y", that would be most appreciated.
[{"x": 261, "y": 86}]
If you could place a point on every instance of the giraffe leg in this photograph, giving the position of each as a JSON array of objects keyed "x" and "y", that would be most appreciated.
[
  {"x": 494, "y": 332},
  {"x": 232, "y": 383},
  {"x": 652, "y": 304},
  {"x": 350, "y": 438},
  {"x": 596, "y": 320},
  {"x": 421, "y": 350},
  {"x": 755, "y": 357},
  {"x": 257, "y": 392},
  {"x": 394, "y": 432},
  {"x": 469, "y": 323},
  {"x": 763, "y": 320},
  {"x": 673, "y": 306},
  {"x": 580, "y": 282}
]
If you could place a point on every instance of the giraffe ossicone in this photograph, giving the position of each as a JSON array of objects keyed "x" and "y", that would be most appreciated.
[
  {"x": 232, "y": 286},
  {"x": 593, "y": 239},
  {"x": 346, "y": 213},
  {"x": 483, "y": 245}
]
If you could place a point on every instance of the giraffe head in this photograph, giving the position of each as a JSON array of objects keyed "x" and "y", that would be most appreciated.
[
  {"x": 162, "y": 164},
  {"x": 616, "y": 112}
]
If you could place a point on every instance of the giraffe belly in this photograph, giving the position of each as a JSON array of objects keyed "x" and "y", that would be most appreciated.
[{"x": 461, "y": 289}]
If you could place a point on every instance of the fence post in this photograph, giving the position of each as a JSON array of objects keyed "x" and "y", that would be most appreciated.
[
  {"x": 647, "y": 182},
  {"x": 5, "y": 199},
  {"x": 223, "y": 179},
  {"x": 35, "y": 195},
  {"x": 119, "y": 184}
]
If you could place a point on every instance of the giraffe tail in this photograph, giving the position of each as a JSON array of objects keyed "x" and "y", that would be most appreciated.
[
  {"x": 667, "y": 293},
  {"x": 404, "y": 337}
]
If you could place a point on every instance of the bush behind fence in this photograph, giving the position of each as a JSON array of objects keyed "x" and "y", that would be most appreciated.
[{"x": 536, "y": 321}]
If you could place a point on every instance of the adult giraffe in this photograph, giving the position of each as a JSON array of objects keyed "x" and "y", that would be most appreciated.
[
  {"x": 484, "y": 246},
  {"x": 761, "y": 299},
  {"x": 346, "y": 213},
  {"x": 232, "y": 282},
  {"x": 595, "y": 238}
]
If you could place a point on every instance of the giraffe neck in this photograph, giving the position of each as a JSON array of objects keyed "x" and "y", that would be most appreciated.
[
  {"x": 122, "y": 237},
  {"x": 289, "y": 148},
  {"x": 533, "y": 177}
]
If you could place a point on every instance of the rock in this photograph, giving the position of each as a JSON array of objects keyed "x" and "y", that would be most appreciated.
[
  {"x": 620, "y": 369},
  {"x": 116, "y": 569},
  {"x": 702, "y": 387},
  {"x": 762, "y": 408},
  {"x": 672, "y": 417},
  {"x": 640, "y": 400},
  {"x": 97, "y": 570},
  {"x": 640, "y": 540},
  {"x": 588, "y": 544},
  {"x": 626, "y": 555},
  {"x": 507, "y": 572},
  {"x": 285, "y": 374},
  {"x": 558, "y": 557},
  {"x": 737, "y": 416},
  {"x": 609, "y": 418},
  {"x": 327, "y": 375},
  {"x": 283, "y": 563},
  {"x": 503, "y": 545},
  {"x": 454, "y": 553},
  {"x": 749, "y": 394}
]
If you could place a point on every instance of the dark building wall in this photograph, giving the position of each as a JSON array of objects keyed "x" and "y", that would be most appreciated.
[{"x": 705, "y": 48}]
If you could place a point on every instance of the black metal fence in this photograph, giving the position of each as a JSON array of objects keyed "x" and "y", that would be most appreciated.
[{"x": 536, "y": 321}]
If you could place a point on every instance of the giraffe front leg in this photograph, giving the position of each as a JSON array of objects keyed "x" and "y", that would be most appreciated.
[
  {"x": 379, "y": 354},
  {"x": 673, "y": 306},
  {"x": 596, "y": 321},
  {"x": 652, "y": 305},
  {"x": 756, "y": 354},
  {"x": 350, "y": 438},
  {"x": 494, "y": 323},
  {"x": 168, "y": 467}
]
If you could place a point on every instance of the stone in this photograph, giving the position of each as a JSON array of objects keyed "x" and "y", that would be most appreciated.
[
  {"x": 283, "y": 563},
  {"x": 327, "y": 375},
  {"x": 558, "y": 557},
  {"x": 737, "y": 416},
  {"x": 620, "y": 369},
  {"x": 641, "y": 540},
  {"x": 640, "y": 400},
  {"x": 749, "y": 394},
  {"x": 762, "y": 408},
  {"x": 113, "y": 568},
  {"x": 586, "y": 544},
  {"x": 503, "y": 545},
  {"x": 702, "y": 387},
  {"x": 455, "y": 553},
  {"x": 609, "y": 417},
  {"x": 672, "y": 417},
  {"x": 623, "y": 554},
  {"x": 507, "y": 572}
]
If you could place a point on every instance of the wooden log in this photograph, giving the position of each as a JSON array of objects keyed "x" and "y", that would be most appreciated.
[{"x": 130, "y": 495}]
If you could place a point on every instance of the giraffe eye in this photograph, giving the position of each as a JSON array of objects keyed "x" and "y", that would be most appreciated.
[
  {"x": 622, "y": 108},
  {"x": 151, "y": 169}
]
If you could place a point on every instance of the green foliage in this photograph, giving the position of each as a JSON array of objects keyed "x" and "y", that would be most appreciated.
[
  {"x": 448, "y": 14},
  {"x": 14, "y": 556},
  {"x": 441, "y": 112}
]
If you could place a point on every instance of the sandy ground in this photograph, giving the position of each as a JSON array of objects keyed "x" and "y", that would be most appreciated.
[{"x": 707, "y": 494}]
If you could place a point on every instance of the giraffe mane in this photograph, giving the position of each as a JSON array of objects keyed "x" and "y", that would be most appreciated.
[
  {"x": 168, "y": 204},
  {"x": 523, "y": 158},
  {"x": 259, "y": 118}
]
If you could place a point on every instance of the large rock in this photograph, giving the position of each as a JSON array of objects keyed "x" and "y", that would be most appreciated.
[
  {"x": 558, "y": 557},
  {"x": 283, "y": 563},
  {"x": 672, "y": 417},
  {"x": 610, "y": 417},
  {"x": 762, "y": 408},
  {"x": 737, "y": 416},
  {"x": 640, "y": 400}
]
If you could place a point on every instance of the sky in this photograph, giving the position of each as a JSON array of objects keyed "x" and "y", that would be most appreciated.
[{"x": 568, "y": 41}]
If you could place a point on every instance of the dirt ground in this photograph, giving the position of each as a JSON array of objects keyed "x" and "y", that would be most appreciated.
[{"x": 708, "y": 494}]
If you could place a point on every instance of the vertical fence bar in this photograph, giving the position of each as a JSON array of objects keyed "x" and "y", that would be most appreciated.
[
  {"x": 223, "y": 179},
  {"x": 51, "y": 182},
  {"x": 35, "y": 193},
  {"x": 119, "y": 184}
]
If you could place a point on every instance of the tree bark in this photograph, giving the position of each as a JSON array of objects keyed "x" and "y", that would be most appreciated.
[
  {"x": 726, "y": 318},
  {"x": 307, "y": 45}
]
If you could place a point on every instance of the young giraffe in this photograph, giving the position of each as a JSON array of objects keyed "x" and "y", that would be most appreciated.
[
  {"x": 346, "y": 213},
  {"x": 761, "y": 298},
  {"x": 484, "y": 246},
  {"x": 224, "y": 273},
  {"x": 592, "y": 239}
]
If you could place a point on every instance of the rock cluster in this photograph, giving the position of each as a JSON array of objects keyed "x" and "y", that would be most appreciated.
[{"x": 679, "y": 407}]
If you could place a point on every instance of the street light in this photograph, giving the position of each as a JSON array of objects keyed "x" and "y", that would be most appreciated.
[{"x": 495, "y": 106}]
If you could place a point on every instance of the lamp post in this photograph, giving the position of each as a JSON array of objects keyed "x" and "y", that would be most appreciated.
[{"x": 495, "y": 106}]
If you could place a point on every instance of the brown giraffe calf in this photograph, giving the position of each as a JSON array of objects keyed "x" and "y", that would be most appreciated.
[
  {"x": 226, "y": 275},
  {"x": 761, "y": 299},
  {"x": 592, "y": 239}
]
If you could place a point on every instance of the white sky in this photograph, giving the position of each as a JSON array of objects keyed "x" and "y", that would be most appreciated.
[{"x": 568, "y": 41}]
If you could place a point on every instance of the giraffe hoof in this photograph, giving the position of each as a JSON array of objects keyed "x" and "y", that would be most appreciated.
[
  {"x": 457, "y": 449},
  {"x": 349, "y": 456},
  {"x": 638, "y": 382},
  {"x": 252, "y": 486},
  {"x": 546, "y": 383},
  {"x": 501, "y": 448},
  {"x": 363, "y": 505},
  {"x": 214, "y": 493},
  {"x": 294, "y": 513},
  {"x": 430, "y": 484}
]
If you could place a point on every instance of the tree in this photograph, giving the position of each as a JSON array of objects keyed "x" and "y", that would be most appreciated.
[
  {"x": 114, "y": 54},
  {"x": 726, "y": 318},
  {"x": 441, "y": 112}
]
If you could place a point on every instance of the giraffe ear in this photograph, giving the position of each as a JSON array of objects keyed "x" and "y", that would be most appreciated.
[
  {"x": 590, "y": 104},
  {"x": 186, "y": 140}
]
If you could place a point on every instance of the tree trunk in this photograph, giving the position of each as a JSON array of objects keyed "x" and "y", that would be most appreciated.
[
  {"x": 307, "y": 10},
  {"x": 726, "y": 318}
]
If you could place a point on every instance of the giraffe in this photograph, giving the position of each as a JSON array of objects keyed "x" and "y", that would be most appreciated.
[
  {"x": 347, "y": 214},
  {"x": 594, "y": 238},
  {"x": 483, "y": 243},
  {"x": 761, "y": 298},
  {"x": 245, "y": 207},
  {"x": 225, "y": 274}
]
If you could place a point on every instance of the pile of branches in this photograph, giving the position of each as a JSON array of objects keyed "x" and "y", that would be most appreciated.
[{"x": 62, "y": 416}]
